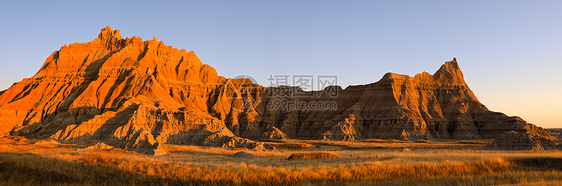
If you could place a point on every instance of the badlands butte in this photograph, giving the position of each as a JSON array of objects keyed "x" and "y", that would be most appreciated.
[{"x": 136, "y": 95}]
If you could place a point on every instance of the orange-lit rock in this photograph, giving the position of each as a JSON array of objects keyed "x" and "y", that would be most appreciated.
[
  {"x": 127, "y": 93},
  {"x": 135, "y": 94},
  {"x": 273, "y": 133}
]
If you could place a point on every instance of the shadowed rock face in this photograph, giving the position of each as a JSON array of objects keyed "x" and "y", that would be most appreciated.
[
  {"x": 397, "y": 106},
  {"x": 135, "y": 94},
  {"x": 522, "y": 141}
]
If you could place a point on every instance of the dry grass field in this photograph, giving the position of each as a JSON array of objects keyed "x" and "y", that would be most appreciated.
[{"x": 371, "y": 162}]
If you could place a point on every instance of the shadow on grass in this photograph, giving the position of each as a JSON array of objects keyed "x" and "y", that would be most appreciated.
[{"x": 541, "y": 163}]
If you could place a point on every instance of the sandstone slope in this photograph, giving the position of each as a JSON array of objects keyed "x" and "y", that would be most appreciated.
[{"x": 127, "y": 93}]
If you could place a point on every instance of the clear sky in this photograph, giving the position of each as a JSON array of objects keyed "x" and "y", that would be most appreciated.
[{"x": 510, "y": 51}]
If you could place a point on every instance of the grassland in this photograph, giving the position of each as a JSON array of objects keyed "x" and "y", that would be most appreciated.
[{"x": 373, "y": 162}]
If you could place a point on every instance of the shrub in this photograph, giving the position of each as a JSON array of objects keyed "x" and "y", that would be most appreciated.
[
  {"x": 312, "y": 155},
  {"x": 423, "y": 141}
]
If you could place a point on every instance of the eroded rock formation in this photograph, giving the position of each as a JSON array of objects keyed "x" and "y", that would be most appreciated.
[
  {"x": 522, "y": 141},
  {"x": 135, "y": 94},
  {"x": 397, "y": 106},
  {"x": 127, "y": 93}
]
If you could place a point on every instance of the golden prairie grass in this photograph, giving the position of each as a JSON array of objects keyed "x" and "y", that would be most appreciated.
[
  {"x": 139, "y": 169},
  {"x": 185, "y": 165}
]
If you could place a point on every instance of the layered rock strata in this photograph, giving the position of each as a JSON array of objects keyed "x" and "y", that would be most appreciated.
[{"x": 135, "y": 94}]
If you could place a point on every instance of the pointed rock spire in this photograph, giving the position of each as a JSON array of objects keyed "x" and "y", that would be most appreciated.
[
  {"x": 108, "y": 34},
  {"x": 109, "y": 37},
  {"x": 450, "y": 73}
]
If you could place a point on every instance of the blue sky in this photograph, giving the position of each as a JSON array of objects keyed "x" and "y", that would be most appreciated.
[{"x": 510, "y": 51}]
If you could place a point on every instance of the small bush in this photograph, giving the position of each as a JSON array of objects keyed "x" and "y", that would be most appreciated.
[
  {"x": 385, "y": 141},
  {"x": 312, "y": 155},
  {"x": 475, "y": 142},
  {"x": 423, "y": 141},
  {"x": 294, "y": 145},
  {"x": 243, "y": 154}
]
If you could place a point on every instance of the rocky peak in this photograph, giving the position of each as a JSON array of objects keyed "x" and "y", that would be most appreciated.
[
  {"x": 107, "y": 34},
  {"x": 109, "y": 38},
  {"x": 450, "y": 73}
]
